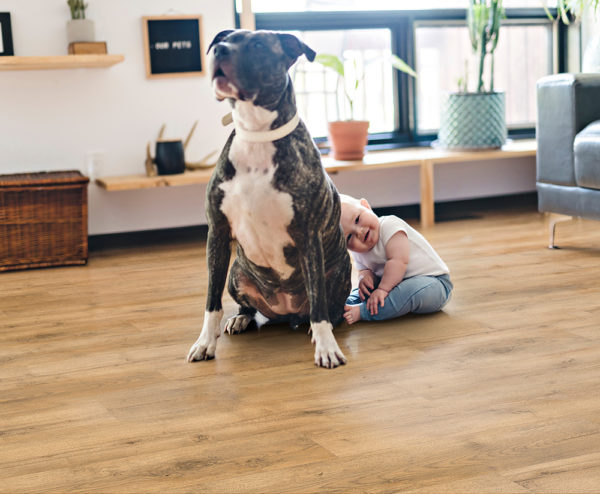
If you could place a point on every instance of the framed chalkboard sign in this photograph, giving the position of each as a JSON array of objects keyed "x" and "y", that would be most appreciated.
[
  {"x": 173, "y": 46},
  {"x": 6, "y": 44}
]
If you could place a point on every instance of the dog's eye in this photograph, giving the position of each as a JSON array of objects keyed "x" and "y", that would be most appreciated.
[
  {"x": 356, "y": 220},
  {"x": 257, "y": 45}
]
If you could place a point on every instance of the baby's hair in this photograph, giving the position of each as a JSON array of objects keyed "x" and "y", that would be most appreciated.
[{"x": 346, "y": 199}]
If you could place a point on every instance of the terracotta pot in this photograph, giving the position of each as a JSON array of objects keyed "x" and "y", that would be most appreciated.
[{"x": 348, "y": 139}]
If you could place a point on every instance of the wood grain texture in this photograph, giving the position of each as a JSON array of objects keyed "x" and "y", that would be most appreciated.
[
  {"x": 423, "y": 157},
  {"x": 131, "y": 182},
  {"x": 376, "y": 160},
  {"x": 60, "y": 62},
  {"x": 499, "y": 393}
]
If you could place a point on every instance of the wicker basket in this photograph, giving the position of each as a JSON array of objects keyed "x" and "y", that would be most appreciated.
[{"x": 43, "y": 220}]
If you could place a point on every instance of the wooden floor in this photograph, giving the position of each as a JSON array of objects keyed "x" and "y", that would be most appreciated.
[{"x": 499, "y": 393}]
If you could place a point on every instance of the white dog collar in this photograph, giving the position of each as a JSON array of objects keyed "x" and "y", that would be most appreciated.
[{"x": 265, "y": 135}]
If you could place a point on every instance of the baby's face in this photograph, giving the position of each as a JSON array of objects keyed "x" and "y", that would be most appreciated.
[{"x": 361, "y": 227}]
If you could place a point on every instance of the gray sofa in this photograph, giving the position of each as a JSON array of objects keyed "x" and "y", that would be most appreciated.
[{"x": 568, "y": 140}]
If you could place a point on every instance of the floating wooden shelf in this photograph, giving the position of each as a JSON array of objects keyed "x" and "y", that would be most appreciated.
[
  {"x": 59, "y": 62},
  {"x": 424, "y": 157},
  {"x": 376, "y": 160},
  {"x": 129, "y": 182}
]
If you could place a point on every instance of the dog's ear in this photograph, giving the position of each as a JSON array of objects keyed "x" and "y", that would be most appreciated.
[
  {"x": 219, "y": 37},
  {"x": 293, "y": 48}
]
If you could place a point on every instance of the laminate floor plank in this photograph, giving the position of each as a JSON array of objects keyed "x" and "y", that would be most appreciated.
[{"x": 498, "y": 393}]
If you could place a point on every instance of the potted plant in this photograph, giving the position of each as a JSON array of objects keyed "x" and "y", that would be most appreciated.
[
  {"x": 348, "y": 138},
  {"x": 576, "y": 9},
  {"x": 79, "y": 28},
  {"x": 476, "y": 120}
]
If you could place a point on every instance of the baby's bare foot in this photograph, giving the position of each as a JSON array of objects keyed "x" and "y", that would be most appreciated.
[{"x": 352, "y": 313}]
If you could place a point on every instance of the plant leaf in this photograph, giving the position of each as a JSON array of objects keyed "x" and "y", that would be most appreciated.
[
  {"x": 402, "y": 66},
  {"x": 545, "y": 2},
  {"x": 331, "y": 61}
]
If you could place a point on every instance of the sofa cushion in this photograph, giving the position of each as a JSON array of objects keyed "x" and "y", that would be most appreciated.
[{"x": 587, "y": 156}]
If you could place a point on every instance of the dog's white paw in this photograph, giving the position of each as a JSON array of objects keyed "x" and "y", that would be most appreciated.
[
  {"x": 237, "y": 324},
  {"x": 327, "y": 351},
  {"x": 203, "y": 349},
  {"x": 205, "y": 346}
]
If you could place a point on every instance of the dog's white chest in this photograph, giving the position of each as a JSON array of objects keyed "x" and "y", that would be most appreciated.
[{"x": 258, "y": 214}]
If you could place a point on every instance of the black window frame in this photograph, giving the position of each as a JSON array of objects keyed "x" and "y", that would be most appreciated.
[{"x": 401, "y": 24}]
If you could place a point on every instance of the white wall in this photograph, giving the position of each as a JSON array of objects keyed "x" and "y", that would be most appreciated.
[{"x": 53, "y": 120}]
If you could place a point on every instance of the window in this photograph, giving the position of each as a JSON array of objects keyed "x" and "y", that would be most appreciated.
[
  {"x": 260, "y": 6},
  {"x": 523, "y": 55},
  {"x": 366, "y": 52},
  {"x": 433, "y": 40}
]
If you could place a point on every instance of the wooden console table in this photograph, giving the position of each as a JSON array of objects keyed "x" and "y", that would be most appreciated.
[{"x": 425, "y": 158}]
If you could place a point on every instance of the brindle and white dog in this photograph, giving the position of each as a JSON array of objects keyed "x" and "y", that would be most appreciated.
[{"x": 269, "y": 192}]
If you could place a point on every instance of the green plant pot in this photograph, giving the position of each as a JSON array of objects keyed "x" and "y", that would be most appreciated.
[{"x": 473, "y": 121}]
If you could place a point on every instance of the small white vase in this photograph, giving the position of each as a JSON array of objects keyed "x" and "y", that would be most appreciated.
[
  {"x": 591, "y": 55},
  {"x": 80, "y": 30}
]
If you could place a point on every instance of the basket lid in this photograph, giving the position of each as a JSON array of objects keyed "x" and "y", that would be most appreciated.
[{"x": 43, "y": 178}]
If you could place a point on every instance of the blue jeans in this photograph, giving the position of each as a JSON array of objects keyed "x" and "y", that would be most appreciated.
[{"x": 419, "y": 294}]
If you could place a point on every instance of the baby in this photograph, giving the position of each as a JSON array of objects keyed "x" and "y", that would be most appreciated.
[{"x": 398, "y": 270}]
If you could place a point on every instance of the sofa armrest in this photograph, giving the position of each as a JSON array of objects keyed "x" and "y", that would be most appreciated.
[{"x": 566, "y": 103}]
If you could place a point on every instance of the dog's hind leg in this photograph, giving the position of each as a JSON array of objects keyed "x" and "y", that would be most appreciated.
[
  {"x": 240, "y": 322},
  {"x": 238, "y": 287}
]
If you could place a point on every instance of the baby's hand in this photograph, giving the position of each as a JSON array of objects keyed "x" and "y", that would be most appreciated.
[
  {"x": 366, "y": 283},
  {"x": 377, "y": 298}
]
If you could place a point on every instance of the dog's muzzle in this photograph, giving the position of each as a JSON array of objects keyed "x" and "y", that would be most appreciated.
[{"x": 225, "y": 83}]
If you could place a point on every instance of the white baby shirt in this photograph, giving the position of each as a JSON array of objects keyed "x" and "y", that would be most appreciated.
[{"x": 422, "y": 258}]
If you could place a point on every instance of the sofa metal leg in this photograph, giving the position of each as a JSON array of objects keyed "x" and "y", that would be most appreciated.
[{"x": 554, "y": 219}]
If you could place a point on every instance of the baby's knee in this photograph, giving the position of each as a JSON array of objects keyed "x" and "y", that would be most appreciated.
[{"x": 431, "y": 298}]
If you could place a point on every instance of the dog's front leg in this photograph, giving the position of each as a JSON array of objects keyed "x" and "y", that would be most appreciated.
[
  {"x": 327, "y": 351},
  {"x": 218, "y": 253}
]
